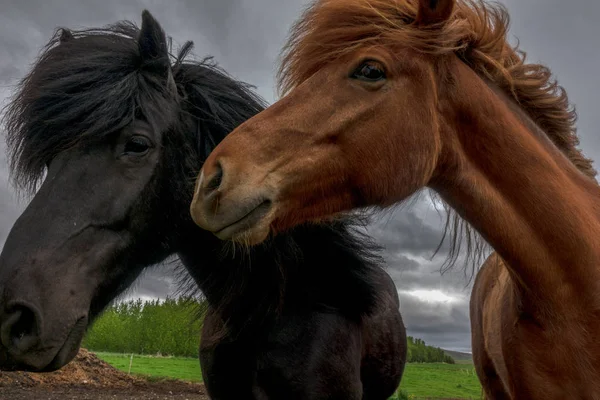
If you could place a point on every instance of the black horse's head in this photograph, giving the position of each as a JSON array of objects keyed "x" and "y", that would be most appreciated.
[{"x": 96, "y": 114}]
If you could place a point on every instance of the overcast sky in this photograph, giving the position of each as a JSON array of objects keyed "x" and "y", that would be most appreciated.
[{"x": 245, "y": 37}]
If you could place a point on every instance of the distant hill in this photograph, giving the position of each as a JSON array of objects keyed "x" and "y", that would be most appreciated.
[{"x": 459, "y": 356}]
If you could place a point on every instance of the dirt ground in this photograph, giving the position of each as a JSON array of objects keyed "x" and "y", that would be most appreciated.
[{"x": 89, "y": 378}]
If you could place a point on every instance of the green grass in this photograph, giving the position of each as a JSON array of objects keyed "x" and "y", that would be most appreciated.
[
  {"x": 420, "y": 381},
  {"x": 186, "y": 369},
  {"x": 438, "y": 381}
]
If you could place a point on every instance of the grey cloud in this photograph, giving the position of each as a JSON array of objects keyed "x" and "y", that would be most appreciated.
[
  {"x": 7, "y": 213},
  {"x": 156, "y": 282},
  {"x": 408, "y": 233},
  {"x": 398, "y": 261},
  {"x": 563, "y": 35}
]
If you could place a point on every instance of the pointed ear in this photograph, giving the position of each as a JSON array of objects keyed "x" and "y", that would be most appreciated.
[
  {"x": 434, "y": 11},
  {"x": 152, "y": 40},
  {"x": 65, "y": 35},
  {"x": 154, "y": 50}
]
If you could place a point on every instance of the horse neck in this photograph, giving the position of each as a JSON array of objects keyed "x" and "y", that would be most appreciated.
[
  {"x": 245, "y": 288},
  {"x": 195, "y": 254},
  {"x": 313, "y": 266},
  {"x": 222, "y": 274},
  {"x": 520, "y": 193}
]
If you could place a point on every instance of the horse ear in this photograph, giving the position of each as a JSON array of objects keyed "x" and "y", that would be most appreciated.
[
  {"x": 434, "y": 11},
  {"x": 65, "y": 35},
  {"x": 154, "y": 49},
  {"x": 152, "y": 40}
]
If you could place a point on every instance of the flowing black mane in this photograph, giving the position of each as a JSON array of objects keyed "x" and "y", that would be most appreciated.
[
  {"x": 89, "y": 84},
  {"x": 215, "y": 101},
  {"x": 336, "y": 261},
  {"x": 86, "y": 84}
]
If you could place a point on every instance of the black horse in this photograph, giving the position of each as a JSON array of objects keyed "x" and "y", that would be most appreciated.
[{"x": 121, "y": 129}]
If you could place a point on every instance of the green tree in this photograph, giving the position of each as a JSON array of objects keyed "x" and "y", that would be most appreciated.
[
  {"x": 420, "y": 352},
  {"x": 169, "y": 327}
]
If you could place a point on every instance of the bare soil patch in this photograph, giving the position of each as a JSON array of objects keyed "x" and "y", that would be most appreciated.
[{"x": 88, "y": 377}]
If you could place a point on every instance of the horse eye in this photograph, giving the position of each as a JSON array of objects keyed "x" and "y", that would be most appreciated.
[
  {"x": 369, "y": 71},
  {"x": 137, "y": 145}
]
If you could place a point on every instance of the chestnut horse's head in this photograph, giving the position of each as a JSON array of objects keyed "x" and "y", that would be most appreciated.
[
  {"x": 374, "y": 92},
  {"x": 359, "y": 124}
]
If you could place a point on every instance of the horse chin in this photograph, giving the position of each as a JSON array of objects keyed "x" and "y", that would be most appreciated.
[
  {"x": 252, "y": 237},
  {"x": 69, "y": 349},
  {"x": 252, "y": 229}
]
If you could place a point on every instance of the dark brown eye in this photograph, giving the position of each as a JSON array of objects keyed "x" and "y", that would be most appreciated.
[
  {"x": 137, "y": 146},
  {"x": 369, "y": 71}
]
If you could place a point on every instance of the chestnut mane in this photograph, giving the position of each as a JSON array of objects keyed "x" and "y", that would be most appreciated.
[{"x": 476, "y": 32}]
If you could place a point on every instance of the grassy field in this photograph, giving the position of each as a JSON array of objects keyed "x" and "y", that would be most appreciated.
[
  {"x": 187, "y": 369},
  {"x": 439, "y": 381},
  {"x": 420, "y": 381}
]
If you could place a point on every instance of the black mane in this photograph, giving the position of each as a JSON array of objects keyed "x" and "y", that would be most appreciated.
[
  {"x": 89, "y": 84},
  {"x": 333, "y": 264},
  {"x": 86, "y": 84},
  {"x": 216, "y": 101}
]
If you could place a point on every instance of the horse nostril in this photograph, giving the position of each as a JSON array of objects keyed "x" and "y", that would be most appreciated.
[
  {"x": 214, "y": 182},
  {"x": 19, "y": 331}
]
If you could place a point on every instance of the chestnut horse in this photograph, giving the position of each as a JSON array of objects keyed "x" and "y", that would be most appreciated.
[{"x": 386, "y": 97}]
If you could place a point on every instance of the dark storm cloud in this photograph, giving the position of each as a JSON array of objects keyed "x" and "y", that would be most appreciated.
[
  {"x": 564, "y": 36},
  {"x": 408, "y": 232},
  {"x": 8, "y": 212},
  {"x": 245, "y": 36},
  {"x": 451, "y": 322},
  {"x": 158, "y": 281}
]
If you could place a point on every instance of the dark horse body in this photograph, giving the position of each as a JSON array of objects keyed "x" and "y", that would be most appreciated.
[{"x": 122, "y": 133}]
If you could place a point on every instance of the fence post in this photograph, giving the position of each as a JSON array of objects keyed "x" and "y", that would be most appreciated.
[{"x": 130, "y": 362}]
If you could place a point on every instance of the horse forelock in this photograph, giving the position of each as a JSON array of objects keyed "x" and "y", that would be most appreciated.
[{"x": 85, "y": 88}]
